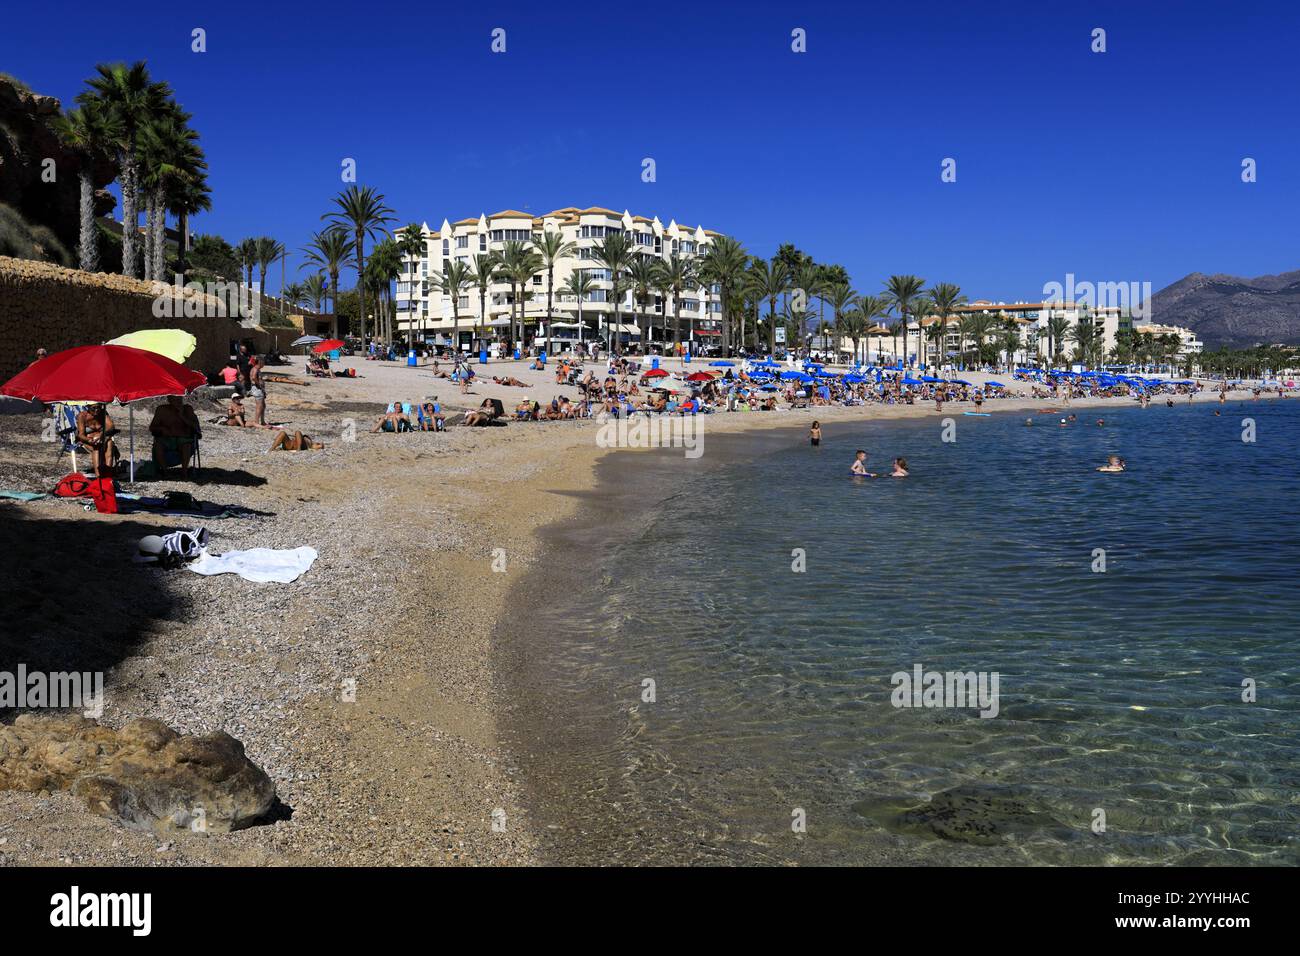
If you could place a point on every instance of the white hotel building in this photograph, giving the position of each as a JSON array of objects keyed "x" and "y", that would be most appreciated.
[{"x": 425, "y": 313}]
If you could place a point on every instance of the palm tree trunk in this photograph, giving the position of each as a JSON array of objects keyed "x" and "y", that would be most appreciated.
[
  {"x": 130, "y": 214},
  {"x": 89, "y": 251},
  {"x": 148, "y": 239},
  {"x": 360, "y": 239},
  {"x": 160, "y": 237}
]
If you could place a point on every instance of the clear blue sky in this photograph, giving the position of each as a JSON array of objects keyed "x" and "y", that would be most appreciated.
[{"x": 1122, "y": 166}]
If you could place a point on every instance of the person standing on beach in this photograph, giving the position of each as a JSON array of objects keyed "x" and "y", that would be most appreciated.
[{"x": 257, "y": 391}]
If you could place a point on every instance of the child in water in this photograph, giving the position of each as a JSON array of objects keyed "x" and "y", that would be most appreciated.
[
  {"x": 1113, "y": 464},
  {"x": 859, "y": 466},
  {"x": 815, "y": 434}
]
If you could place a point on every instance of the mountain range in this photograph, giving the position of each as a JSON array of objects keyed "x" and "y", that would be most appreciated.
[{"x": 1233, "y": 311}]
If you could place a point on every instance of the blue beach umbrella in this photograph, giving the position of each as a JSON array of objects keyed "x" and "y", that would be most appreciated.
[
  {"x": 996, "y": 385},
  {"x": 722, "y": 364}
]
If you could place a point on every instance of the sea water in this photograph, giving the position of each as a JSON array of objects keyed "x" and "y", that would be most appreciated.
[{"x": 715, "y": 649}]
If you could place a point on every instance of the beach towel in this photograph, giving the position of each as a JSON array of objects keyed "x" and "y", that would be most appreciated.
[
  {"x": 258, "y": 564},
  {"x": 23, "y": 495}
]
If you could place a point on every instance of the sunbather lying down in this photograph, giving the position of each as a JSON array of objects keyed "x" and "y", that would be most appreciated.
[
  {"x": 508, "y": 380},
  {"x": 295, "y": 442}
]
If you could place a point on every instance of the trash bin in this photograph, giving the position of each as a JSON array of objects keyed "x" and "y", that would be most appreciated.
[
  {"x": 541, "y": 357},
  {"x": 482, "y": 356},
  {"x": 518, "y": 355},
  {"x": 654, "y": 362},
  {"x": 411, "y": 360},
  {"x": 686, "y": 356}
]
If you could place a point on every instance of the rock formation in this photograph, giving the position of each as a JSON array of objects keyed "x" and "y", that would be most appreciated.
[{"x": 146, "y": 774}]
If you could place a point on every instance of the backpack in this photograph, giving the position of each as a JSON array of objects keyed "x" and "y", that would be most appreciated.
[{"x": 104, "y": 495}]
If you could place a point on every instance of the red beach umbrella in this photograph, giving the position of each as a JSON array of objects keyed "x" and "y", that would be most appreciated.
[
  {"x": 102, "y": 373},
  {"x": 699, "y": 377},
  {"x": 656, "y": 373},
  {"x": 329, "y": 345}
]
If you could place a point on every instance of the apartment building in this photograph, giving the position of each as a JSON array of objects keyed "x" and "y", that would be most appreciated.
[{"x": 424, "y": 312}]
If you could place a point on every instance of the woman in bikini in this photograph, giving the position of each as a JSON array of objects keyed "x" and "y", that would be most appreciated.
[
  {"x": 296, "y": 442},
  {"x": 95, "y": 430}
]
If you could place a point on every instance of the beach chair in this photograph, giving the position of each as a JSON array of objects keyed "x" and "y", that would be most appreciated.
[{"x": 65, "y": 424}]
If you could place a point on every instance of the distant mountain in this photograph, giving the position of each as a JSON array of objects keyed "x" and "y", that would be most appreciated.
[{"x": 1232, "y": 311}]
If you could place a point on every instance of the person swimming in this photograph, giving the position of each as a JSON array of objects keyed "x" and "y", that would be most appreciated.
[
  {"x": 900, "y": 468},
  {"x": 1064, "y": 423},
  {"x": 1100, "y": 422},
  {"x": 1113, "y": 464},
  {"x": 859, "y": 466},
  {"x": 1029, "y": 421}
]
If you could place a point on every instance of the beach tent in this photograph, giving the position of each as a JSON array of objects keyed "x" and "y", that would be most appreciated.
[{"x": 103, "y": 374}]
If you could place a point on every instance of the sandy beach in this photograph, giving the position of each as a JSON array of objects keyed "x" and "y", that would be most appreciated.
[{"x": 403, "y": 599}]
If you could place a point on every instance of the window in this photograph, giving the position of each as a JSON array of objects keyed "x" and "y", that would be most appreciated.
[
  {"x": 592, "y": 232},
  {"x": 462, "y": 302},
  {"x": 511, "y": 235},
  {"x": 446, "y": 248},
  {"x": 462, "y": 242},
  {"x": 597, "y": 295},
  {"x": 645, "y": 239},
  {"x": 482, "y": 242},
  {"x": 537, "y": 280},
  {"x": 690, "y": 305}
]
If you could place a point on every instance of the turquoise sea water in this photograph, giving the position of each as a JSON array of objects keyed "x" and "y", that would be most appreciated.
[{"x": 1120, "y": 692}]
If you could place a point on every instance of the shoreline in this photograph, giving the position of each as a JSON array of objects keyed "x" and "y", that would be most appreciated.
[{"x": 404, "y": 597}]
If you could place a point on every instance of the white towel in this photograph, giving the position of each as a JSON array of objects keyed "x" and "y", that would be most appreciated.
[{"x": 258, "y": 564}]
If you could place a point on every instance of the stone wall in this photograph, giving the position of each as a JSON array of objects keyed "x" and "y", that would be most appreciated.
[{"x": 47, "y": 306}]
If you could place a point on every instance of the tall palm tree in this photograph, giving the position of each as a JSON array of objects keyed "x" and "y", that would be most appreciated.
[
  {"x": 132, "y": 98},
  {"x": 873, "y": 307},
  {"x": 674, "y": 276},
  {"x": 641, "y": 274},
  {"x": 268, "y": 252},
  {"x": 455, "y": 278},
  {"x": 190, "y": 198},
  {"x": 839, "y": 297},
  {"x": 382, "y": 268},
  {"x": 92, "y": 133},
  {"x": 169, "y": 160},
  {"x": 614, "y": 252},
  {"x": 551, "y": 247},
  {"x": 768, "y": 281},
  {"x": 330, "y": 249},
  {"x": 724, "y": 265},
  {"x": 361, "y": 209},
  {"x": 808, "y": 277},
  {"x": 517, "y": 265},
  {"x": 902, "y": 290},
  {"x": 1058, "y": 327},
  {"x": 982, "y": 325},
  {"x": 946, "y": 297},
  {"x": 314, "y": 290},
  {"x": 485, "y": 266},
  {"x": 247, "y": 252},
  {"x": 579, "y": 286}
]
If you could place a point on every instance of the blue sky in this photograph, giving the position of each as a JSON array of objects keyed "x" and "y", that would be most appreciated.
[{"x": 1120, "y": 166}]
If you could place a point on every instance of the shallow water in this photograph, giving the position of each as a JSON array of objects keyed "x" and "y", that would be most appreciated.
[{"x": 1120, "y": 692}]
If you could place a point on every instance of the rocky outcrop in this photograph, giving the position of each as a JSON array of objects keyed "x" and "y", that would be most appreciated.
[
  {"x": 146, "y": 775},
  {"x": 26, "y": 141},
  {"x": 1231, "y": 310}
]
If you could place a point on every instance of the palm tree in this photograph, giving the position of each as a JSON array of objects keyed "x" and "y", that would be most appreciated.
[
  {"x": 314, "y": 290},
  {"x": 674, "y": 276},
  {"x": 1058, "y": 328},
  {"x": 902, "y": 290},
  {"x": 808, "y": 278},
  {"x": 384, "y": 266},
  {"x": 268, "y": 252},
  {"x": 485, "y": 269},
  {"x": 946, "y": 297},
  {"x": 91, "y": 133},
  {"x": 551, "y": 247},
  {"x": 873, "y": 307},
  {"x": 981, "y": 325},
  {"x": 1009, "y": 339},
  {"x": 169, "y": 161},
  {"x": 517, "y": 265},
  {"x": 191, "y": 197},
  {"x": 247, "y": 252},
  {"x": 614, "y": 252},
  {"x": 641, "y": 275},
  {"x": 362, "y": 209},
  {"x": 724, "y": 265},
  {"x": 131, "y": 97},
  {"x": 455, "y": 278},
  {"x": 410, "y": 243},
  {"x": 579, "y": 286},
  {"x": 840, "y": 297},
  {"x": 330, "y": 250},
  {"x": 769, "y": 280}
]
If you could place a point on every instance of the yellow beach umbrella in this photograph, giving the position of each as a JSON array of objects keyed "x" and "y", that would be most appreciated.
[{"x": 174, "y": 344}]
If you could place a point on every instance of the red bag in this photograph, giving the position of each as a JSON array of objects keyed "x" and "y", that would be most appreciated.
[
  {"x": 104, "y": 495},
  {"x": 75, "y": 485}
]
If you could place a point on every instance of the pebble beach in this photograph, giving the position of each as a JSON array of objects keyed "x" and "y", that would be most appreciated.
[{"x": 420, "y": 537}]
